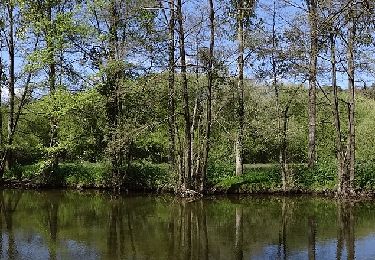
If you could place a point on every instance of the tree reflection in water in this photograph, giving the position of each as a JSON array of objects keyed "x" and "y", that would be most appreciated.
[
  {"x": 51, "y": 209},
  {"x": 345, "y": 230},
  {"x": 9, "y": 202},
  {"x": 66, "y": 225}
]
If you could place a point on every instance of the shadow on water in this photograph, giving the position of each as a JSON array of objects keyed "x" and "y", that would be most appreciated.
[
  {"x": 73, "y": 225},
  {"x": 345, "y": 230},
  {"x": 51, "y": 211},
  {"x": 8, "y": 204},
  {"x": 116, "y": 229}
]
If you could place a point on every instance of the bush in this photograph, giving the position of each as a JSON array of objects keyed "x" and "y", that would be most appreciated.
[
  {"x": 144, "y": 175},
  {"x": 323, "y": 176},
  {"x": 365, "y": 175}
]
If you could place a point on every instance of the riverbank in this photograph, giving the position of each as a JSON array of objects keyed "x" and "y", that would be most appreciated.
[{"x": 147, "y": 177}]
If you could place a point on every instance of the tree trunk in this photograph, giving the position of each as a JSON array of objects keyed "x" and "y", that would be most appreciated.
[
  {"x": 312, "y": 5},
  {"x": 283, "y": 150},
  {"x": 52, "y": 88},
  {"x": 351, "y": 86},
  {"x": 340, "y": 154},
  {"x": 209, "y": 97},
  {"x": 187, "y": 149},
  {"x": 11, "y": 80},
  {"x": 171, "y": 88},
  {"x": 1, "y": 111},
  {"x": 240, "y": 91},
  {"x": 112, "y": 96},
  {"x": 282, "y": 118},
  {"x": 342, "y": 166}
]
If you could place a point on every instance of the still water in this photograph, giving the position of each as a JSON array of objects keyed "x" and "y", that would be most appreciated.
[{"x": 98, "y": 225}]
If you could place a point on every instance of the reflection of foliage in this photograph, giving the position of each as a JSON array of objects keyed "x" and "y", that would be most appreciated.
[{"x": 98, "y": 221}]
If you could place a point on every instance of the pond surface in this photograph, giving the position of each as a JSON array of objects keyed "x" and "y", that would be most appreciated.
[{"x": 98, "y": 225}]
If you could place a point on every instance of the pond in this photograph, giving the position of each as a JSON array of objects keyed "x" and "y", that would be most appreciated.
[{"x": 100, "y": 225}]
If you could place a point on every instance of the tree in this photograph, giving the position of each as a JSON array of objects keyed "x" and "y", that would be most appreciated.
[
  {"x": 313, "y": 22},
  {"x": 245, "y": 8},
  {"x": 210, "y": 80},
  {"x": 186, "y": 178},
  {"x": 51, "y": 22},
  {"x": 10, "y": 15}
]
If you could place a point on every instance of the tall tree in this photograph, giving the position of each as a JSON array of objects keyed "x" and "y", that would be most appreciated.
[
  {"x": 351, "y": 85},
  {"x": 313, "y": 22},
  {"x": 245, "y": 9},
  {"x": 210, "y": 82},
  {"x": 240, "y": 87},
  {"x": 8, "y": 32},
  {"x": 186, "y": 178},
  {"x": 11, "y": 75},
  {"x": 171, "y": 86}
]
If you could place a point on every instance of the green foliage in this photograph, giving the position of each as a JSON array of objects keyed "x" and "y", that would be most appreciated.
[
  {"x": 365, "y": 175},
  {"x": 322, "y": 177},
  {"x": 143, "y": 175},
  {"x": 77, "y": 174},
  {"x": 265, "y": 178},
  {"x": 85, "y": 174},
  {"x": 80, "y": 124}
]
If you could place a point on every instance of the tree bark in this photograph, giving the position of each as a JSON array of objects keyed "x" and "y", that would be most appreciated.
[
  {"x": 187, "y": 149},
  {"x": 340, "y": 153},
  {"x": 209, "y": 96},
  {"x": 1, "y": 112},
  {"x": 351, "y": 86},
  {"x": 312, "y": 6},
  {"x": 171, "y": 87},
  {"x": 11, "y": 80},
  {"x": 240, "y": 90},
  {"x": 283, "y": 149},
  {"x": 282, "y": 116},
  {"x": 52, "y": 86},
  {"x": 112, "y": 95}
]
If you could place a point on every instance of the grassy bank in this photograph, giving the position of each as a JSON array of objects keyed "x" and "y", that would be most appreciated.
[
  {"x": 141, "y": 175},
  {"x": 145, "y": 176}
]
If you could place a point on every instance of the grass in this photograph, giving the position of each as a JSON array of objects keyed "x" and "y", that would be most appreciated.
[{"x": 146, "y": 176}]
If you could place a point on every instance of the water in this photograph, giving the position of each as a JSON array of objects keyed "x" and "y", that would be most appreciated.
[{"x": 97, "y": 225}]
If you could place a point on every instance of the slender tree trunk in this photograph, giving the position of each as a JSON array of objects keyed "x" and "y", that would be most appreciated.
[
  {"x": 342, "y": 167},
  {"x": 351, "y": 86},
  {"x": 11, "y": 80},
  {"x": 187, "y": 149},
  {"x": 282, "y": 118},
  {"x": 283, "y": 149},
  {"x": 113, "y": 105},
  {"x": 171, "y": 88},
  {"x": 240, "y": 90},
  {"x": 209, "y": 96},
  {"x": 1, "y": 111},
  {"x": 6, "y": 154},
  {"x": 52, "y": 87},
  {"x": 312, "y": 5}
]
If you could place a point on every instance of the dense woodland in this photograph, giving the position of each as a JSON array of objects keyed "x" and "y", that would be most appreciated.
[{"x": 189, "y": 95}]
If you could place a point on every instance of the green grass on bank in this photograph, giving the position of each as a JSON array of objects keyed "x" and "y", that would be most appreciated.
[{"x": 143, "y": 175}]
